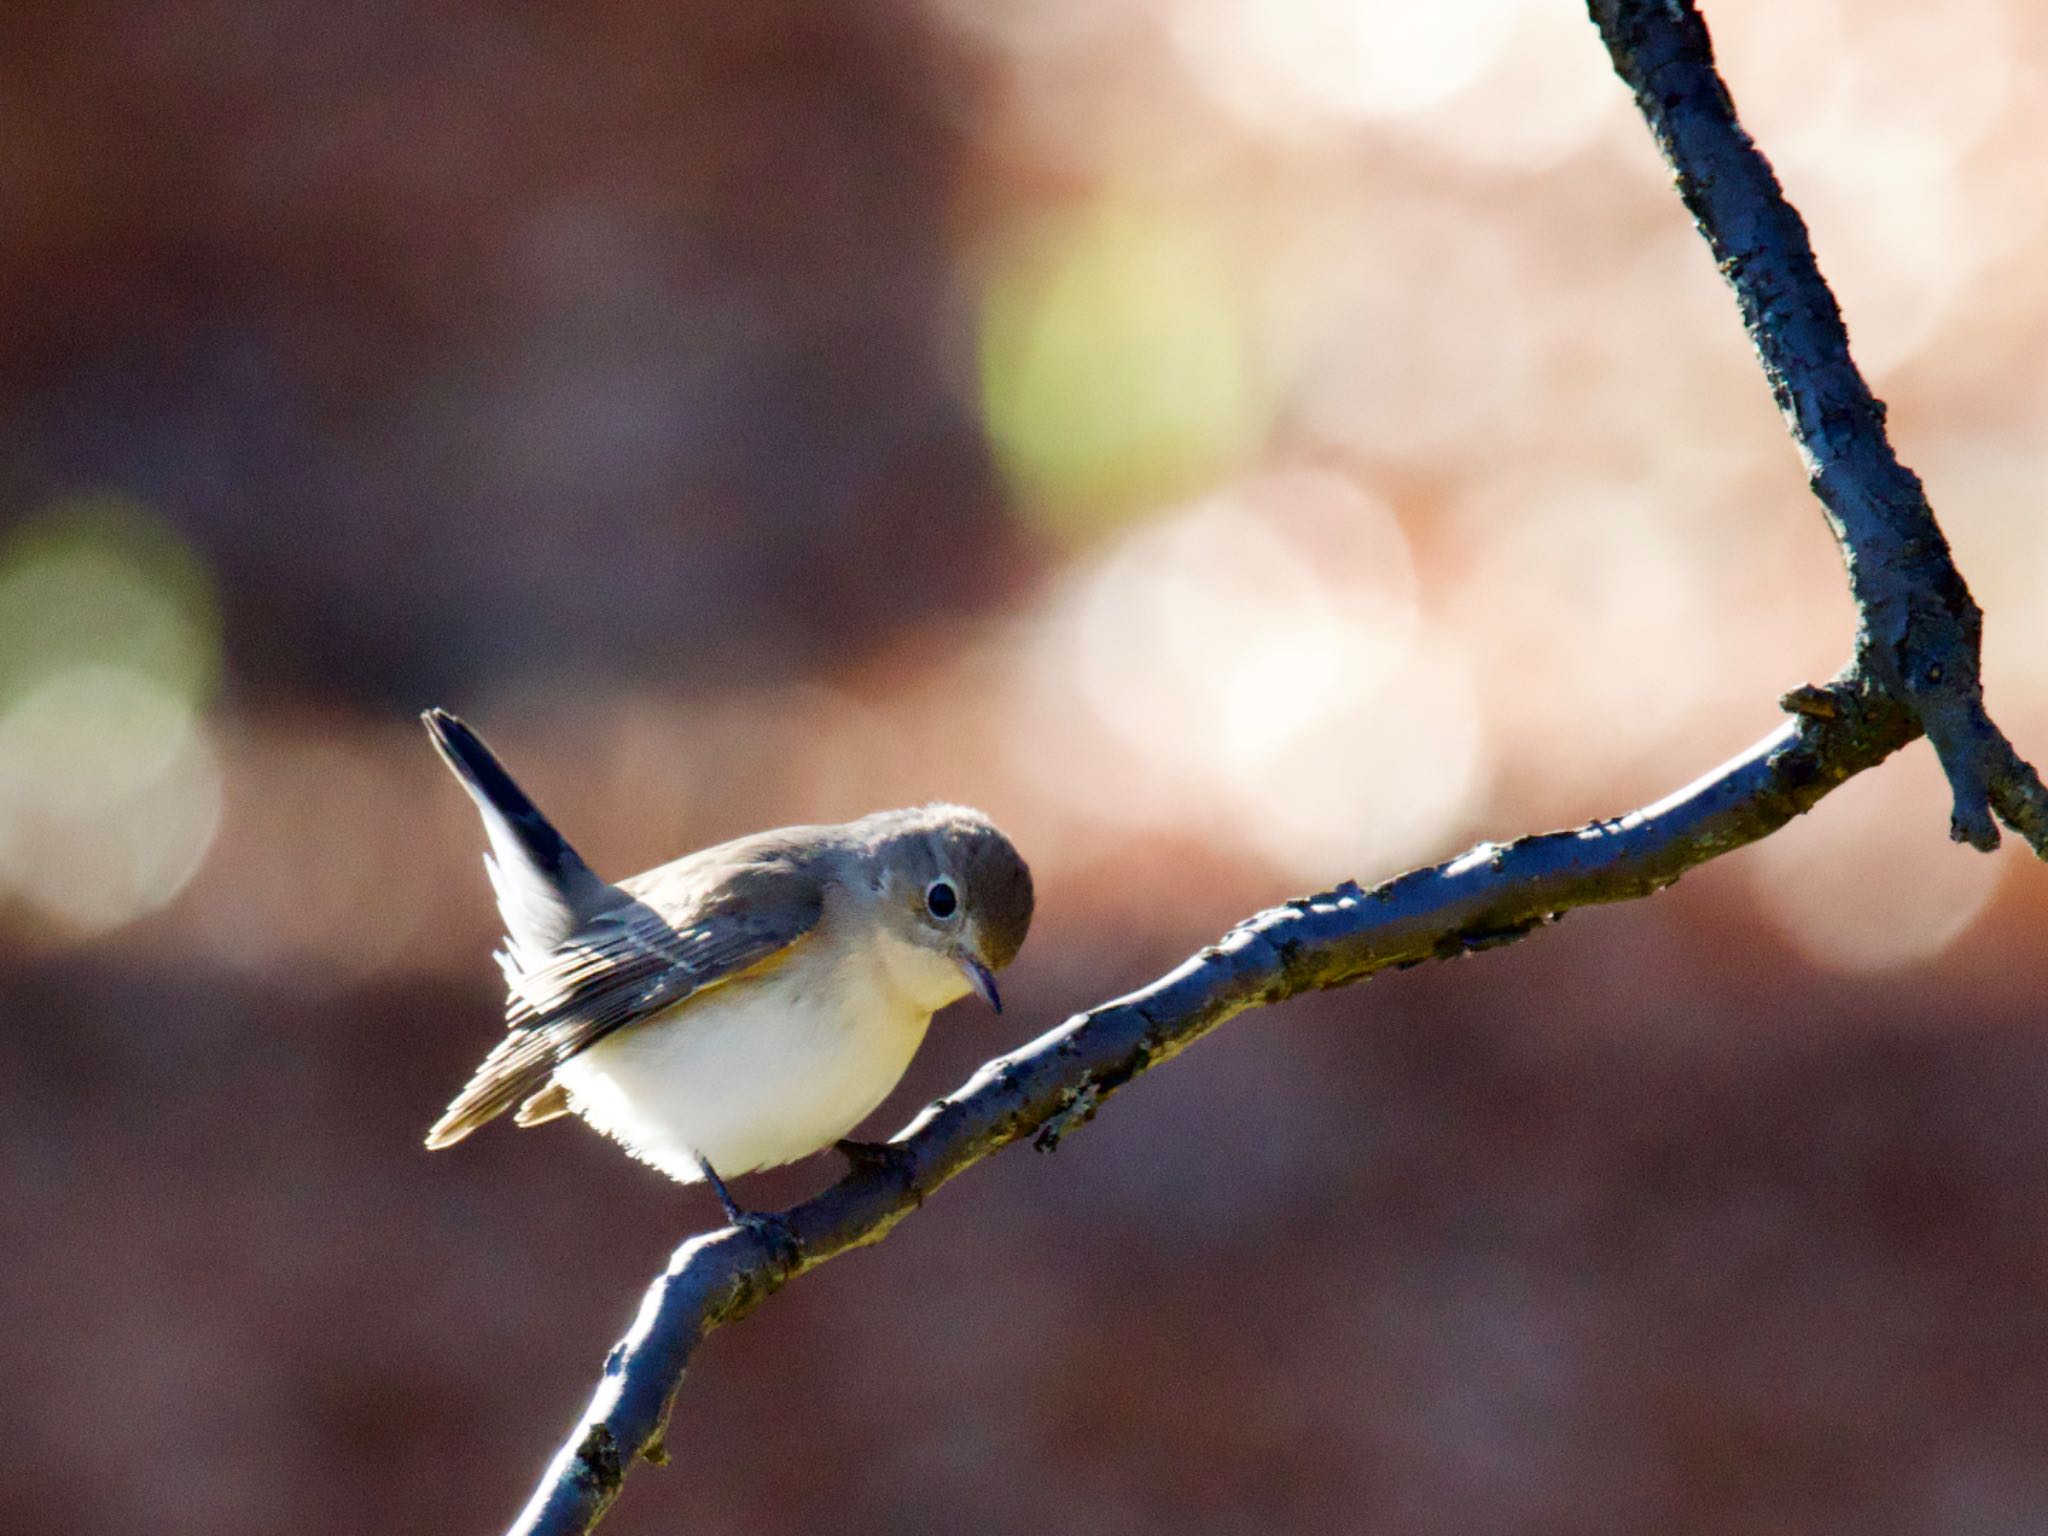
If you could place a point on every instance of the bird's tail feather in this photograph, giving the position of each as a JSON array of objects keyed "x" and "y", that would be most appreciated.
[{"x": 545, "y": 890}]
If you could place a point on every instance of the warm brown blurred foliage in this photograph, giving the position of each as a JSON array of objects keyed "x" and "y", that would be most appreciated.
[{"x": 1241, "y": 445}]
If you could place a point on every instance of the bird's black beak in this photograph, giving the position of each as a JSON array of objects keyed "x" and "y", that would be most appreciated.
[{"x": 983, "y": 980}]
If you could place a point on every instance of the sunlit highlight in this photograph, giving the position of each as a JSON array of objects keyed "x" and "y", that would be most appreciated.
[
  {"x": 110, "y": 790},
  {"x": 1272, "y": 60},
  {"x": 110, "y": 794},
  {"x": 1257, "y": 663},
  {"x": 1587, "y": 604},
  {"x": 1399, "y": 334}
]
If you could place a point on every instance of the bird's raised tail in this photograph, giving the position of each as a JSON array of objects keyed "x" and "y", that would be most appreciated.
[{"x": 545, "y": 890}]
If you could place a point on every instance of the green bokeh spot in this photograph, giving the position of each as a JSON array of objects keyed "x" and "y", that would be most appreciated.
[
  {"x": 100, "y": 581},
  {"x": 1115, "y": 369}
]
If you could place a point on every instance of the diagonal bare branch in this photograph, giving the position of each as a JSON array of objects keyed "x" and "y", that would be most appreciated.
[
  {"x": 1915, "y": 670},
  {"x": 1491, "y": 895}
]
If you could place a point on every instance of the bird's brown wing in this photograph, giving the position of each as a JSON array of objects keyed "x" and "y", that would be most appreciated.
[{"x": 691, "y": 926}]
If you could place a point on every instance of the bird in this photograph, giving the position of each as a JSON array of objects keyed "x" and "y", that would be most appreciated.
[{"x": 743, "y": 1006}]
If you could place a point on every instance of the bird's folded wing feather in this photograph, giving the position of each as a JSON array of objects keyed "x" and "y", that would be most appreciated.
[{"x": 692, "y": 926}]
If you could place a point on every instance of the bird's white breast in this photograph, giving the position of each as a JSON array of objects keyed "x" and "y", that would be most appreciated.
[{"x": 761, "y": 1071}]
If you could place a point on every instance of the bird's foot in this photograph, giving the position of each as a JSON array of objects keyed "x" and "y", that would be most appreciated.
[{"x": 766, "y": 1225}]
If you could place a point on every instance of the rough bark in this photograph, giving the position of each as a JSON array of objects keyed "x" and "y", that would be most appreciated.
[{"x": 1918, "y": 627}]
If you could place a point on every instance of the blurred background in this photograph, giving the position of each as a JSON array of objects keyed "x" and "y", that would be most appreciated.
[{"x": 1240, "y": 444}]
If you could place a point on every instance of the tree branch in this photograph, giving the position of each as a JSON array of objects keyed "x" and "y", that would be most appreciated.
[
  {"x": 1489, "y": 896},
  {"x": 1915, "y": 669},
  {"x": 1918, "y": 627}
]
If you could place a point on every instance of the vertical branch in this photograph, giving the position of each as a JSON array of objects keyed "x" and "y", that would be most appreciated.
[{"x": 1920, "y": 631}]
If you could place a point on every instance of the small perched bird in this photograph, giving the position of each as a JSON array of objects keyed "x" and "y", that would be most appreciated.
[{"x": 744, "y": 1006}]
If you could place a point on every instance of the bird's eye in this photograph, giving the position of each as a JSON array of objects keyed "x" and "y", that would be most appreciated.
[{"x": 940, "y": 899}]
